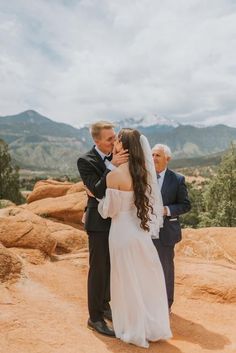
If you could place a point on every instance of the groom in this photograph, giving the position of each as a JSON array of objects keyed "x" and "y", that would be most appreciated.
[
  {"x": 93, "y": 167},
  {"x": 176, "y": 202}
]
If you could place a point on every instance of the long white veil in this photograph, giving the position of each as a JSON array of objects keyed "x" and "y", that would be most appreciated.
[{"x": 155, "y": 195}]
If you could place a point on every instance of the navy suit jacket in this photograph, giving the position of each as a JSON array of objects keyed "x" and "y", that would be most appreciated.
[
  {"x": 175, "y": 196},
  {"x": 93, "y": 172}
]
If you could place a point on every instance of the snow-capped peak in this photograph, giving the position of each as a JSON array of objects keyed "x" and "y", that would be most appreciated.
[{"x": 147, "y": 120}]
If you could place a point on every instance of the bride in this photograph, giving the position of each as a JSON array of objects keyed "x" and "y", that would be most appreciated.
[{"x": 133, "y": 201}]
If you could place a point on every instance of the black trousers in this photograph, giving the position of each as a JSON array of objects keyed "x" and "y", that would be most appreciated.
[
  {"x": 99, "y": 275},
  {"x": 166, "y": 255}
]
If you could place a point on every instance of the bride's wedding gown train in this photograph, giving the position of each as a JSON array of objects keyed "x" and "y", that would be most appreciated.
[{"x": 138, "y": 294}]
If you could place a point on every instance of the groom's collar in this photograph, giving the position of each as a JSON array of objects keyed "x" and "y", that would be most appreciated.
[{"x": 101, "y": 154}]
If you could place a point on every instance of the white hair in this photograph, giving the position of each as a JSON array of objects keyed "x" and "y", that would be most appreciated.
[{"x": 165, "y": 148}]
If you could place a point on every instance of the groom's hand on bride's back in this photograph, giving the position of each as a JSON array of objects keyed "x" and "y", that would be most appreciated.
[
  {"x": 119, "y": 158},
  {"x": 88, "y": 191}
]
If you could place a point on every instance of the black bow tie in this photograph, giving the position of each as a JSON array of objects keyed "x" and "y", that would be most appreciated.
[
  {"x": 109, "y": 158},
  {"x": 158, "y": 176}
]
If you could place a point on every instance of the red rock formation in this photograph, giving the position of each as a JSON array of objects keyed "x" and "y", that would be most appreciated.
[
  {"x": 52, "y": 188},
  {"x": 10, "y": 265},
  {"x": 24, "y": 229},
  {"x": 68, "y": 238},
  {"x": 67, "y": 208}
]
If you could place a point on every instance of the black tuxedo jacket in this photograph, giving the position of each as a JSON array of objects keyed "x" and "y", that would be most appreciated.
[
  {"x": 93, "y": 172},
  {"x": 175, "y": 196}
]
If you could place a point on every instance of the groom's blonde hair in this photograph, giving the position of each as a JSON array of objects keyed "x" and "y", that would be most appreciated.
[{"x": 95, "y": 129}]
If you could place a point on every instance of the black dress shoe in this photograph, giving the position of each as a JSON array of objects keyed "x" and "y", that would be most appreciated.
[
  {"x": 101, "y": 327},
  {"x": 107, "y": 315}
]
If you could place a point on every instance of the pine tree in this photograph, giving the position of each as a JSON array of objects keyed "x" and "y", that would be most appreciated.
[
  {"x": 220, "y": 196},
  {"x": 192, "y": 219},
  {"x": 9, "y": 176}
]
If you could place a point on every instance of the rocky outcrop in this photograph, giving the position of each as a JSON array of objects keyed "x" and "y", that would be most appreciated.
[
  {"x": 49, "y": 310},
  {"x": 214, "y": 243},
  {"x": 207, "y": 264},
  {"x": 10, "y": 265},
  {"x": 68, "y": 208},
  {"x": 68, "y": 238},
  {"x": 33, "y": 256},
  {"x": 51, "y": 188},
  {"x": 78, "y": 187},
  {"x": 200, "y": 279},
  {"x": 20, "y": 228},
  {"x": 24, "y": 229}
]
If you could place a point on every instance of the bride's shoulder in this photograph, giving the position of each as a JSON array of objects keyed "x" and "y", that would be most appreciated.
[{"x": 113, "y": 179}]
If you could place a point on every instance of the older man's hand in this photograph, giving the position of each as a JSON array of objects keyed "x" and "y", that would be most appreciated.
[{"x": 165, "y": 211}]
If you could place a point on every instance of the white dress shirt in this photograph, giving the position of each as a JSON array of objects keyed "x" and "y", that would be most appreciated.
[
  {"x": 108, "y": 164},
  {"x": 161, "y": 179},
  {"x": 160, "y": 182}
]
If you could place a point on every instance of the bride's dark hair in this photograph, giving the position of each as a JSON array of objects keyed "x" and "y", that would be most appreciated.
[{"x": 130, "y": 139}]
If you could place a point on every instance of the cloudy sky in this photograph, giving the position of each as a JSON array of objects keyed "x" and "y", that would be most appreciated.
[{"x": 77, "y": 61}]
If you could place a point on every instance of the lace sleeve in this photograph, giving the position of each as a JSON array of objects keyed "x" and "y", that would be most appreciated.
[{"x": 109, "y": 206}]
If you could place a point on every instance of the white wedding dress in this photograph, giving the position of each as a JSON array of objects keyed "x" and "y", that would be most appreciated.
[{"x": 138, "y": 294}]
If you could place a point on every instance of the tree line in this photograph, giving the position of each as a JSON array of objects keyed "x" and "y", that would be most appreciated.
[
  {"x": 9, "y": 176},
  {"x": 214, "y": 201}
]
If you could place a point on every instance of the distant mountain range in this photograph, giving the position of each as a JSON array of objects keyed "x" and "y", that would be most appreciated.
[
  {"x": 146, "y": 121},
  {"x": 39, "y": 143}
]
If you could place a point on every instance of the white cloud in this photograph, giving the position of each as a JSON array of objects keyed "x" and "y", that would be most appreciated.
[{"x": 77, "y": 61}]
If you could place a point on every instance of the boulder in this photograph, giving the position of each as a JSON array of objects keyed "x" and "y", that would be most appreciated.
[
  {"x": 68, "y": 238},
  {"x": 33, "y": 256},
  {"x": 205, "y": 279},
  {"x": 68, "y": 208},
  {"x": 206, "y": 264},
  {"x": 76, "y": 188},
  {"x": 51, "y": 188},
  {"x": 214, "y": 243},
  {"x": 10, "y": 265},
  {"x": 22, "y": 228}
]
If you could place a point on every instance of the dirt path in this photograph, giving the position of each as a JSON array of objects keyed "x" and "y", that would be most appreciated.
[{"x": 46, "y": 312}]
